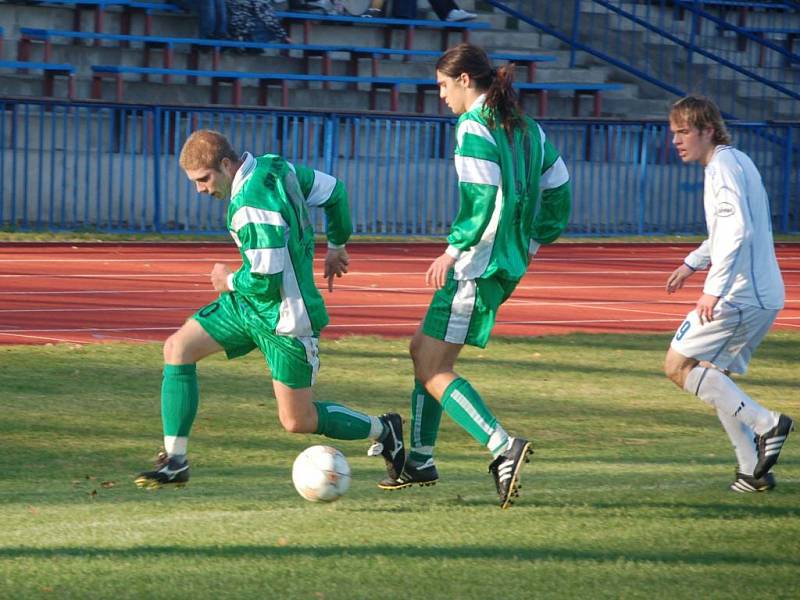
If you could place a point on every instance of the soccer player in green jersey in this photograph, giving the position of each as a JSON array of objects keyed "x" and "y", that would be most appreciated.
[
  {"x": 271, "y": 302},
  {"x": 514, "y": 196}
]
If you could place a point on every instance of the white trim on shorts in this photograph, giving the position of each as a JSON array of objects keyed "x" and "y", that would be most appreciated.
[
  {"x": 311, "y": 344},
  {"x": 728, "y": 342},
  {"x": 461, "y": 310}
]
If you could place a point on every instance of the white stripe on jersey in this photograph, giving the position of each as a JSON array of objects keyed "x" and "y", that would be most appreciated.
[
  {"x": 461, "y": 312},
  {"x": 478, "y": 170},
  {"x": 249, "y": 214},
  {"x": 294, "y": 319},
  {"x": 266, "y": 261},
  {"x": 475, "y": 128},
  {"x": 462, "y": 401},
  {"x": 555, "y": 176},
  {"x": 472, "y": 263},
  {"x": 321, "y": 190}
]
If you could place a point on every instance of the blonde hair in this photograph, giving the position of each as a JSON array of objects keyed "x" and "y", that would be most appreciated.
[
  {"x": 205, "y": 149},
  {"x": 701, "y": 113}
]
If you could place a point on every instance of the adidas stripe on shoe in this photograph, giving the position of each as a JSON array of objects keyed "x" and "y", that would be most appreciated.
[
  {"x": 505, "y": 470},
  {"x": 769, "y": 445},
  {"x": 747, "y": 483},
  {"x": 422, "y": 475}
]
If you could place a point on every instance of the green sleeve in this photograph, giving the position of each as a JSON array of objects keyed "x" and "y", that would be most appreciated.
[
  {"x": 555, "y": 206},
  {"x": 479, "y": 177},
  {"x": 321, "y": 189}
]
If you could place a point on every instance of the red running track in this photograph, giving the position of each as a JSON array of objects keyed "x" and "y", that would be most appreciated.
[{"x": 105, "y": 292}]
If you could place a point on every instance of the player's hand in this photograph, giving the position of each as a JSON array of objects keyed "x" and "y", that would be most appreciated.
[
  {"x": 676, "y": 279},
  {"x": 336, "y": 262},
  {"x": 219, "y": 277},
  {"x": 705, "y": 308},
  {"x": 437, "y": 272}
]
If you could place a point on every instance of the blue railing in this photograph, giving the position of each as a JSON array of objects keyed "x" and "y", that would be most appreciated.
[
  {"x": 749, "y": 65},
  {"x": 115, "y": 168}
]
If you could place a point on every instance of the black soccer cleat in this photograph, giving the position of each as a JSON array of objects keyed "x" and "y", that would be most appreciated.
[
  {"x": 505, "y": 470},
  {"x": 423, "y": 475},
  {"x": 167, "y": 471},
  {"x": 391, "y": 446},
  {"x": 769, "y": 445},
  {"x": 747, "y": 483}
]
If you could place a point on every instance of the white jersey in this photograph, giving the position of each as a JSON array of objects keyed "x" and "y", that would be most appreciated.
[{"x": 740, "y": 249}]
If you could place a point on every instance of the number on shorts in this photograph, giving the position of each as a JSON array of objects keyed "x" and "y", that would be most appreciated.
[{"x": 682, "y": 330}]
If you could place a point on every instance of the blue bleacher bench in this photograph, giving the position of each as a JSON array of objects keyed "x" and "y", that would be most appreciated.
[
  {"x": 392, "y": 84},
  {"x": 29, "y": 35},
  {"x": 50, "y": 70},
  {"x": 127, "y": 7},
  {"x": 389, "y": 25},
  {"x": 789, "y": 34}
]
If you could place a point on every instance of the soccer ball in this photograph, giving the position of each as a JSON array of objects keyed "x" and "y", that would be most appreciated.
[{"x": 321, "y": 474}]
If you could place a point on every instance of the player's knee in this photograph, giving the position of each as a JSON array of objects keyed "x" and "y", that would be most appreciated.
[
  {"x": 675, "y": 371},
  {"x": 297, "y": 424},
  {"x": 173, "y": 350}
]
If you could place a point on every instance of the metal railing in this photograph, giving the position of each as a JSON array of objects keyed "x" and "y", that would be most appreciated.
[
  {"x": 683, "y": 46},
  {"x": 114, "y": 167}
]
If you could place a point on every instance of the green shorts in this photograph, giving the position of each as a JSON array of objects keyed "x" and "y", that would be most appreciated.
[
  {"x": 463, "y": 312},
  {"x": 233, "y": 325}
]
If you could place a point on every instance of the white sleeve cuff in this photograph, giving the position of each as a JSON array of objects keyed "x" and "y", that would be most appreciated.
[
  {"x": 332, "y": 246},
  {"x": 533, "y": 248},
  {"x": 694, "y": 262},
  {"x": 453, "y": 252},
  {"x": 229, "y": 281}
]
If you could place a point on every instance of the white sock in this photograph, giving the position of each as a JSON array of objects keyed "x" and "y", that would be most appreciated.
[
  {"x": 375, "y": 428},
  {"x": 719, "y": 390},
  {"x": 175, "y": 445},
  {"x": 499, "y": 441},
  {"x": 741, "y": 436}
]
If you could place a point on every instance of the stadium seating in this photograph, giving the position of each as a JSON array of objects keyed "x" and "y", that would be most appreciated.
[
  {"x": 265, "y": 80},
  {"x": 29, "y": 36},
  {"x": 50, "y": 72},
  {"x": 389, "y": 25}
]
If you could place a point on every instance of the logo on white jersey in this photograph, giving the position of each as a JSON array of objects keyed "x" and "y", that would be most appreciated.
[{"x": 725, "y": 209}]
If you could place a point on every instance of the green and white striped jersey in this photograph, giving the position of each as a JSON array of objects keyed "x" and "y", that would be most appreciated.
[
  {"x": 268, "y": 219},
  {"x": 514, "y": 196}
]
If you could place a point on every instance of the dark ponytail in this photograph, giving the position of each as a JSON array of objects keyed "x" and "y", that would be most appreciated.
[{"x": 497, "y": 84}]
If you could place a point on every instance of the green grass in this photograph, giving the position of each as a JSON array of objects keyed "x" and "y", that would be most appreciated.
[{"x": 625, "y": 497}]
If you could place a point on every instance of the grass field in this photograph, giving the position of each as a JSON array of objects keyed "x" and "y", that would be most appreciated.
[{"x": 626, "y": 496}]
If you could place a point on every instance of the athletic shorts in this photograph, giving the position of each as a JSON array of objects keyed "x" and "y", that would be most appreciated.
[
  {"x": 294, "y": 361},
  {"x": 729, "y": 340},
  {"x": 464, "y": 311}
]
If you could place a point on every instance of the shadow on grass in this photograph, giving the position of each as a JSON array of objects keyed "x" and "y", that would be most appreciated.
[{"x": 507, "y": 553}]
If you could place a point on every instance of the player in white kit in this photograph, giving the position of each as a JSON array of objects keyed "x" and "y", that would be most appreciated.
[{"x": 742, "y": 295}]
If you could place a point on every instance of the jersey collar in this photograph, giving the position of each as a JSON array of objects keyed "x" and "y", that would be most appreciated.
[{"x": 248, "y": 164}]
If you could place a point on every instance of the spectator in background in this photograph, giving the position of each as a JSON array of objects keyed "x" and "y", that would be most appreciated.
[
  {"x": 254, "y": 21},
  {"x": 212, "y": 14},
  {"x": 446, "y": 10}
]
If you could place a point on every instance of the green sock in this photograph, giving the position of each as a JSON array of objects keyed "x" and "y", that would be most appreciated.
[
  {"x": 179, "y": 399},
  {"x": 468, "y": 409},
  {"x": 342, "y": 423},
  {"x": 426, "y": 414}
]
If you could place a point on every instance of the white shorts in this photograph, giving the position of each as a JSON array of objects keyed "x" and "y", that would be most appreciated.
[{"x": 729, "y": 340}]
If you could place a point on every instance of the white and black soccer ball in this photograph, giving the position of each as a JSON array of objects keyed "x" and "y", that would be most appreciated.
[{"x": 321, "y": 474}]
